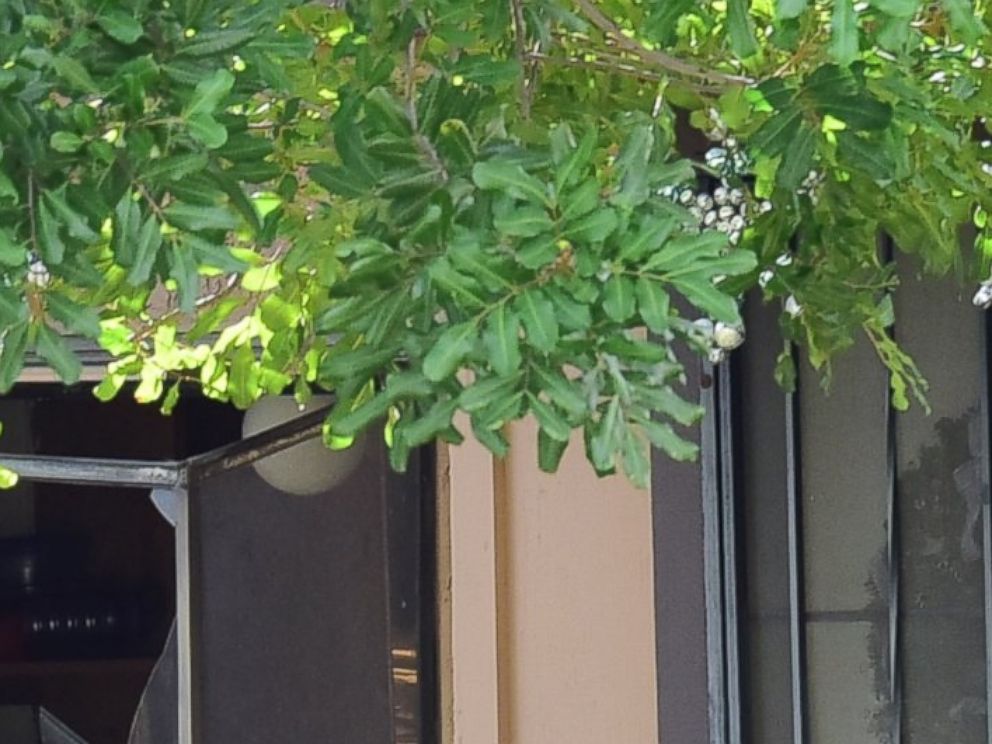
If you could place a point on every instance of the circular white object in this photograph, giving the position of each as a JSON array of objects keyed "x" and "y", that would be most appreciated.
[
  {"x": 307, "y": 468},
  {"x": 728, "y": 337}
]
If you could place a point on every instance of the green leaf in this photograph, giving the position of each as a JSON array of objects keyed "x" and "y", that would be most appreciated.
[
  {"x": 210, "y": 43},
  {"x": 844, "y": 45},
  {"x": 595, "y": 227},
  {"x": 869, "y": 157},
  {"x": 787, "y": 9},
  {"x": 665, "y": 400},
  {"x": 509, "y": 178},
  {"x": 207, "y": 130},
  {"x": 486, "y": 391},
  {"x": 653, "y": 233},
  {"x": 75, "y": 317},
  {"x": 219, "y": 257},
  {"x": 525, "y": 222},
  {"x": 127, "y": 223},
  {"x": 701, "y": 293},
  {"x": 484, "y": 70},
  {"x": 774, "y": 136},
  {"x": 455, "y": 143},
  {"x": 740, "y": 29},
  {"x": 635, "y": 350},
  {"x": 355, "y": 364},
  {"x": 798, "y": 158},
  {"x": 65, "y": 141},
  {"x": 54, "y": 350},
  {"x": 897, "y": 8},
  {"x": 195, "y": 217},
  {"x": 550, "y": 420},
  {"x": 209, "y": 93},
  {"x": 11, "y": 253},
  {"x": 618, "y": 298},
  {"x": 538, "y": 316},
  {"x": 605, "y": 437},
  {"x": 964, "y": 20},
  {"x": 184, "y": 271},
  {"x": 74, "y": 222},
  {"x": 562, "y": 391},
  {"x": 632, "y": 166},
  {"x": 580, "y": 201},
  {"x": 460, "y": 286},
  {"x": 339, "y": 181},
  {"x": 664, "y": 437},
  {"x": 679, "y": 253},
  {"x": 146, "y": 249},
  {"x": 502, "y": 340},
  {"x": 356, "y": 420},
  {"x": 8, "y": 478},
  {"x": 653, "y": 304},
  {"x": 50, "y": 244},
  {"x": 7, "y": 188},
  {"x": 491, "y": 439},
  {"x": 73, "y": 72},
  {"x": 451, "y": 347},
  {"x": 12, "y": 353},
  {"x": 549, "y": 452},
  {"x": 13, "y": 307},
  {"x": 538, "y": 252},
  {"x": 861, "y": 112},
  {"x": 573, "y": 315},
  {"x": 572, "y": 163},
  {"x": 636, "y": 464},
  {"x": 120, "y": 26},
  {"x": 431, "y": 424},
  {"x": 109, "y": 387}
]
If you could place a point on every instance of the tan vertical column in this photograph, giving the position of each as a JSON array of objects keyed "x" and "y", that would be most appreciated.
[
  {"x": 576, "y": 603},
  {"x": 467, "y": 567},
  {"x": 547, "y": 601}
]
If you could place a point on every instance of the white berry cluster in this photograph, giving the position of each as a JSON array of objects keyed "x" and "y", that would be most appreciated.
[
  {"x": 725, "y": 209},
  {"x": 720, "y": 338},
  {"x": 728, "y": 160},
  {"x": 792, "y": 306},
  {"x": 983, "y": 297},
  {"x": 38, "y": 273}
]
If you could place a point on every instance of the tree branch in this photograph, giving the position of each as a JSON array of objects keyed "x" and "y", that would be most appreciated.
[{"x": 660, "y": 59}]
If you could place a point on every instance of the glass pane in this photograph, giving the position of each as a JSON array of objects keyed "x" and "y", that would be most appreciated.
[
  {"x": 942, "y": 461},
  {"x": 845, "y": 496}
]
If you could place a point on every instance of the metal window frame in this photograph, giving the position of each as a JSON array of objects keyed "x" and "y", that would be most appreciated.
[
  {"x": 184, "y": 477},
  {"x": 698, "y": 643}
]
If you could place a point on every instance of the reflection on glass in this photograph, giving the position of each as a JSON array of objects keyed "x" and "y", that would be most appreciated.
[{"x": 941, "y": 484}]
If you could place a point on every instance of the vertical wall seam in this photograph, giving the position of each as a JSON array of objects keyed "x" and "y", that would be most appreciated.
[
  {"x": 504, "y": 605},
  {"x": 797, "y": 634}
]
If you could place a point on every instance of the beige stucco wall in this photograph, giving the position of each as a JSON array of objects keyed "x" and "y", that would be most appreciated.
[{"x": 573, "y": 630}]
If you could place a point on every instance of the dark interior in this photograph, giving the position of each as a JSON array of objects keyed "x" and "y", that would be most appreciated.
[{"x": 87, "y": 575}]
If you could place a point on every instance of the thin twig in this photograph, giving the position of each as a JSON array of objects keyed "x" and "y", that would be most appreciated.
[
  {"x": 410, "y": 94},
  {"x": 31, "y": 213},
  {"x": 661, "y": 59},
  {"x": 520, "y": 40},
  {"x": 599, "y": 65}
]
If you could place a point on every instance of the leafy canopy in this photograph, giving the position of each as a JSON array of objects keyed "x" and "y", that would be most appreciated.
[{"x": 434, "y": 206}]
